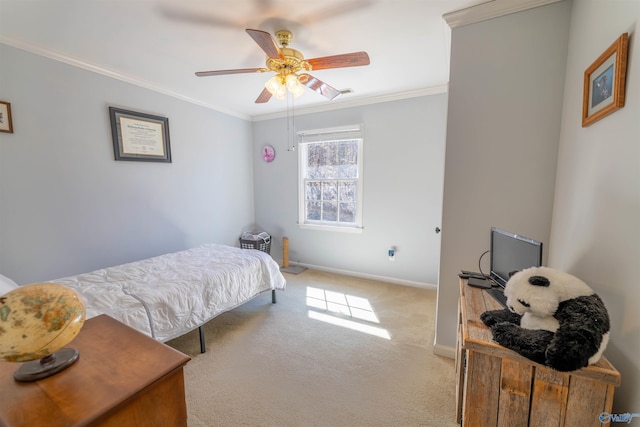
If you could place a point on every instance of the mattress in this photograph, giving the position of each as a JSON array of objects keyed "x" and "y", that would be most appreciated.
[{"x": 169, "y": 295}]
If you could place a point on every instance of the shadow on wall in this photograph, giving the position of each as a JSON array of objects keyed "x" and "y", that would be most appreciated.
[
  {"x": 597, "y": 273},
  {"x": 630, "y": 378}
]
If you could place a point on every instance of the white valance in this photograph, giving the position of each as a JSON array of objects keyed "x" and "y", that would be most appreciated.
[{"x": 345, "y": 133}]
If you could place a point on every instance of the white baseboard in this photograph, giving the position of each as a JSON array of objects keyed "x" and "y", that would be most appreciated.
[
  {"x": 444, "y": 351},
  {"x": 385, "y": 279}
]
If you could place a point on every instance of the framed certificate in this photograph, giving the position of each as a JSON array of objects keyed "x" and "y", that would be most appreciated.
[{"x": 139, "y": 137}]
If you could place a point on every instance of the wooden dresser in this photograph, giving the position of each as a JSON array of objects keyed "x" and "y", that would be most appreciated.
[
  {"x": 497, "y": 387},
  {"x": 122, "y": 378}
]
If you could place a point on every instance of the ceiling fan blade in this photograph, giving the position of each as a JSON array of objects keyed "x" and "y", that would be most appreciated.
[
  {"x": 319, "y": 86},
  {"x": 264, "y": 96},
  {"x": 266, "y": 43},
  {"x": 354, "y": 59},
  {"x": 236, "y": 71}
]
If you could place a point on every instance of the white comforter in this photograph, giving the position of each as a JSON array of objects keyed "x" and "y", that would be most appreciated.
[{"x": 170, "y": 295}]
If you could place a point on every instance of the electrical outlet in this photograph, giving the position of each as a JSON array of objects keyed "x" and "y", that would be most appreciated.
[{"x": 392, "y": 254}]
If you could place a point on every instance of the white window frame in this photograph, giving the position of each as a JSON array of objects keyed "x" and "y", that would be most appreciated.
[{"x": 354, "y": 132}]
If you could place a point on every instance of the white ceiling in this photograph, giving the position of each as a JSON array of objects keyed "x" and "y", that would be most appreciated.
[{"x": 159, "y": 44}]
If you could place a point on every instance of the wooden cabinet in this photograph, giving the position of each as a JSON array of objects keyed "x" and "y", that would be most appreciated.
[
  {"x": 122, "y": 378},
  {"x": 498, "y": 387}
]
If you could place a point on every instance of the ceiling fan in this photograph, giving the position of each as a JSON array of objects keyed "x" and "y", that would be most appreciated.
[{"x": 291, "y": 67}]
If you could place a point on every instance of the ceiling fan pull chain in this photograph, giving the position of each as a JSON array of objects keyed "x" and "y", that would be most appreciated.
[
  {"x": 293, "y": 123},
  {"x": 290, "y": 131}
]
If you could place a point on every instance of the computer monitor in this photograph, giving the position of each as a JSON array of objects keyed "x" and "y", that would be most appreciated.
[{"x": 511, "y": 252}]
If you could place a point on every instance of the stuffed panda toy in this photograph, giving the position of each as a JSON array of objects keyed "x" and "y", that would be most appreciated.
[{"x": 553, "y": 318}]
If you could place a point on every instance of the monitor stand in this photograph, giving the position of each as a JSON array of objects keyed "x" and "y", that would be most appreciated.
[{"x": 498, "y": 295}]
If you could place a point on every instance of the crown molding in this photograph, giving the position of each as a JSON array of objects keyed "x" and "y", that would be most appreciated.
[
  {"x": 489, "y": 10},
  {"x": 356, "y": 102},
  {"x": 329, "y": 106},
  {"x": 56, "y": 56}
]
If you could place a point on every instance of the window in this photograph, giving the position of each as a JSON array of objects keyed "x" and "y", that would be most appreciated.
[{"x": 330, "y": 178}]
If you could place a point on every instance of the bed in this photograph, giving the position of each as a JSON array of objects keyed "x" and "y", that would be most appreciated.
[{"x": 172, "y": 294}]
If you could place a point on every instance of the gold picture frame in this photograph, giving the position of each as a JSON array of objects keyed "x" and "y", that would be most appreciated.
[
  {"x": 6, "y": 121},
  {"x": 604, "y": 82}
]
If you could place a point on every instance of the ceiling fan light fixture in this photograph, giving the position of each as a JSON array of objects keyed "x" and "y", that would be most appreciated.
[
  {"x": 298, "y": 91},
  {"x": 291, "y": 81},
  {"x": 279, "y": 84},
  {"x": 294, "y": 86},
  {"x": 281, "y": 94},
  {"x": 276, "y": 86},
  {"x": 272, "y": 84}
]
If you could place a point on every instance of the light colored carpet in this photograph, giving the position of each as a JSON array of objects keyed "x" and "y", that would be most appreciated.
[{"x": 294, "y": 364}]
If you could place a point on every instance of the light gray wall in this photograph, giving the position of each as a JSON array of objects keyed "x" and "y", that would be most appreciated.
[
  {"x": 594, "y": 231},
  {"x": 67, "y": 207},
  {"x": 403, "y": 172},
  {"x": 505, "y": 104},
  {"x": 596, "y": 219}
]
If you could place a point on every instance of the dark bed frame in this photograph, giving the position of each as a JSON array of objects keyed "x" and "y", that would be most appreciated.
[{"x": 203, "y": 346}]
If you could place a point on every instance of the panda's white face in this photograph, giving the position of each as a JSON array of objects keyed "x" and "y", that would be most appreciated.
[
  {"x": 539, "y": 290},
  {"x": 528, "y": 293}
]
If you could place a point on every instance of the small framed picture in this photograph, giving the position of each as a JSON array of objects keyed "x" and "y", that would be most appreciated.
[
  {"x": 604, "y": 82},
  {"x": 6, "y": 122},
  {"x": 268, "y": 153},
  {"x": 139, "y": 137}
]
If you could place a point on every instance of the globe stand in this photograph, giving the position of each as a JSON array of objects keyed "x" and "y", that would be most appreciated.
[{"x": 47, "y": 366}]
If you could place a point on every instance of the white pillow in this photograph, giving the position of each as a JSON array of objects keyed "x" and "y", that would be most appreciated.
[{"x": 6, "y": 284}]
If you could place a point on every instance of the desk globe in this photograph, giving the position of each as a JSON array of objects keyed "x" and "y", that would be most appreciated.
[{"x": 36, "y": 322}]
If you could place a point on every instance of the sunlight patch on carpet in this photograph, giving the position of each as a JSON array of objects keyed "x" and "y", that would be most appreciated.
[
  {"x": 350, "y": 324},
  {"x": 340, "y": 308}
]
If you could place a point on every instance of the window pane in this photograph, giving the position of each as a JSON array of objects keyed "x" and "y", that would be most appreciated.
[
  {"x": 329, "y": 211},
  {"x": 348, "y": 160},
  {"x": 312, "y": 191},
  {"x": 329, "y": 190},
  {"x": 348, "y": 191},
  {"x": 315, "y": 154},
  {"x": 347, "y": 172},
  {"x": 313, "y": 211},
  {"x": 315, "y": 161},
  {"x": 348, "y": 212},
  {"x": 330, "y": 160}
]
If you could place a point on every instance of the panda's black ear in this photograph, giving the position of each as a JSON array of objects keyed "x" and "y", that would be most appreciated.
[
  {"x": 511, "y": 273},
  {"x": 539, "y": 281}
]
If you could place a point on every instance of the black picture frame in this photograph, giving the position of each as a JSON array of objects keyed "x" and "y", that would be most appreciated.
[{"x": 139, "y": 137}]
